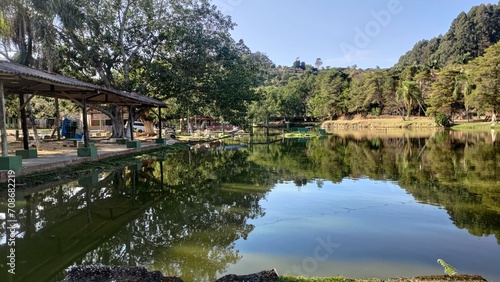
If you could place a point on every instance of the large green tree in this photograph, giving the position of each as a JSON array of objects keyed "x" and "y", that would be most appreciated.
[
  {"x": 409, "y": 94},
  {"x": 485, "y": 72},
  {"x": 444, "y": 98},
  {"x": 329, "y": 94}
]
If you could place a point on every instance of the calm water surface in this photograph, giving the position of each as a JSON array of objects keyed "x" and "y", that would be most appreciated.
[{"x": 381, "y": 204}]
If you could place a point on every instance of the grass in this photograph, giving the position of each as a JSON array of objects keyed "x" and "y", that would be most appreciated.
[
  {"x": 476, "y": 126},
  {"x": 324, "y": 279}
]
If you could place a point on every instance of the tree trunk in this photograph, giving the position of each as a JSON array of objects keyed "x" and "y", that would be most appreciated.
[
  {"x": 410, "y": 104},
  {"x": 31, "y": 117},
  {"x": 494, "y": 117},
  {"x": 149, "y": 125},
  {"x": 117, "y": 121},
  {"x": 3, "y": 115}
]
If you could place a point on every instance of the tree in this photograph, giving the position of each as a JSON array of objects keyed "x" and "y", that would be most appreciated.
[
  {"x": 329, "y": 98},
  {"x": 208, "y": 73},
  {"x": 467, "y": 38},
  {"x": 444, "y": 97},
  {"x": 463, "y": 89},
  {"x": 408, "y": 93},
  {"x": 108, "y": 41},
  {"x": 373, "y": 85},
  {"x": 318, "y": 63},
  {"x": 424, "y": 80},
  {"x": 485, "y": 72}
]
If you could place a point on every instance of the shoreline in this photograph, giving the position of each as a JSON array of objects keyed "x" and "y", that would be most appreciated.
[
  {"x": 123, "y": 273},
  {"x": 396, "y": 122}
]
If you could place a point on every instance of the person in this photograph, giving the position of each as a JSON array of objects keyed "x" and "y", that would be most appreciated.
[
  {"x": 64, "y": 127},
  {"x": 127, "y": 130}
]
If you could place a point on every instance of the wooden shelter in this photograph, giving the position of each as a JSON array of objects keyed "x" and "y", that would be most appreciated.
[{"x": 22, "y": 80}]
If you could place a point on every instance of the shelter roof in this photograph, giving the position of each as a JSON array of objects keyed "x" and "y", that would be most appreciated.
[{"x": 20, "y": 79}]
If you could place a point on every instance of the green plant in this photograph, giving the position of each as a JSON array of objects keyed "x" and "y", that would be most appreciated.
[
  {"x": 442, "y": 119},
  {"x": 448, "y": 269},
  {"x": 376, "y": 111}
]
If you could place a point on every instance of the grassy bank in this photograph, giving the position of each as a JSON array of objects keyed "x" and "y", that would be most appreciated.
[
  {"x": 435, "y": 278},
  {"x": 476, "y": 126},
  {"x": 324, "y": 279},
  {"x": 380, "y": 123},
  {"x": 396, "y": 122}
]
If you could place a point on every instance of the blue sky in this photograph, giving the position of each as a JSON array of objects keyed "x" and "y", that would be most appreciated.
[{"x": 367, "y": 33}]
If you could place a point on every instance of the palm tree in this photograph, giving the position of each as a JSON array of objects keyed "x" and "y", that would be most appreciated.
[
  {"x": 463, "y": 89},
  {"x": 29, "y": 29},
  {"x": 408, "y": 92}
]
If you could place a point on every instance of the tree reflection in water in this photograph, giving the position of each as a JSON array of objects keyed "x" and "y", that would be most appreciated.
[{"x": 183, "y": 213}]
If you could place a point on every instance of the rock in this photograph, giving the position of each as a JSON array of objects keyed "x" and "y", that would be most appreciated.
[
  {"x": 101, "y": 273},
  {"x": 263, "y": 276}
]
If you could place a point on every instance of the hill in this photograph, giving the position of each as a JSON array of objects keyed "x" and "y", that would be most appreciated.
[{"x": 469, "y": 35}]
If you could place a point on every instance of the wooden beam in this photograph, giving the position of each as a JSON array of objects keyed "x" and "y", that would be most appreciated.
[
  {"x": 93, "y": 95},
  {"x": 3, "y": 125},
  {"x": 72, "y": 99},
  {"x": 28, "y": 100}
]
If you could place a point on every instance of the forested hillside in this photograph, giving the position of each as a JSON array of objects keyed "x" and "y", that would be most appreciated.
[
  {"x": 468, "y": 37},
  {"x": 447, "y": 77}
]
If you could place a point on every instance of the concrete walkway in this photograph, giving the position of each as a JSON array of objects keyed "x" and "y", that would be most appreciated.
[{"x": 104, "y": 150}]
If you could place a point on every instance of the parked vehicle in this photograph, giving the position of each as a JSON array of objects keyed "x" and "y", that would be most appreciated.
[{"x": 139, "y": 126}]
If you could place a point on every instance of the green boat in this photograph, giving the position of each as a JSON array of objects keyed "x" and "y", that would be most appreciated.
[{"x": 304, "y": 132}]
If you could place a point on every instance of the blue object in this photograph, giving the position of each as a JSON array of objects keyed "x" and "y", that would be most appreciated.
[{"x": 64, "y": 129}]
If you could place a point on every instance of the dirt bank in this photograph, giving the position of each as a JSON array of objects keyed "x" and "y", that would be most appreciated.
[{"x": 379, "y": 123}]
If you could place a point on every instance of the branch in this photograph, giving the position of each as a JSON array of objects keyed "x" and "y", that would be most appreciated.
[{"x": 5, "y": 53}]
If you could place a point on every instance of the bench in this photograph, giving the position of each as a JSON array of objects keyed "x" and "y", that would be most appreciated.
[
  {"x": 75, "y": 141},
  {"x": 302, "y": 130}
]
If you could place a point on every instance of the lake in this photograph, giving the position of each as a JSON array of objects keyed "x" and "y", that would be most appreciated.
[{"x": 361, "y": 204}]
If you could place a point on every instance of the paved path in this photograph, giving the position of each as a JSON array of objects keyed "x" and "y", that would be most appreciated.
[{"x": 44, "y": 162}]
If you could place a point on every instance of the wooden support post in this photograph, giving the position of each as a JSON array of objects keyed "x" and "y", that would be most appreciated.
[
  {"x": 3, "y": 126},
  {"x": 57, "y": 123},
  {"x": 159, "y": 122},
  {"x": 85, "y": 123},
  {"x": 267, "y": 125},
  {"x": 87, "y": 150},
  {"x": 24, "y": 124},
  {"x": 131, "y": 122}
]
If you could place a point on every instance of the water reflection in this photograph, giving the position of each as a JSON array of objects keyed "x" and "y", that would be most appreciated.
[
  {"x": 153, "y": 213},
  {"x": 183, "y": 214},
  {"x": 459, "y": 171}
]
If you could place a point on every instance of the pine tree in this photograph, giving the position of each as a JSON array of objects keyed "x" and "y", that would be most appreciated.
[{"x": 485, "y": 72}]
